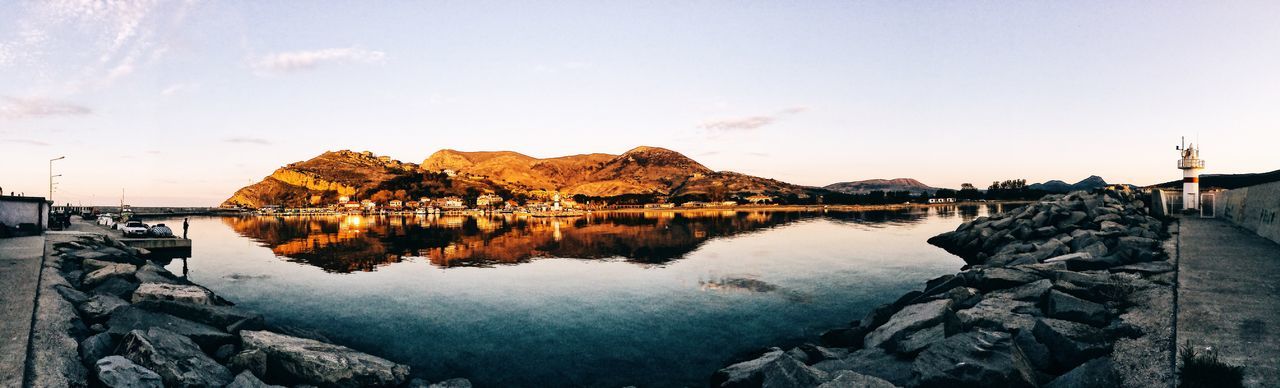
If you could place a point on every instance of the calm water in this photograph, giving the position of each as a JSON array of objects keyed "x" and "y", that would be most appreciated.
[{"x": 607, "y": 300}]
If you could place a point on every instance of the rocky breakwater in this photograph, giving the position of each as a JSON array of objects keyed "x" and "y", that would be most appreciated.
[
  {"x": 1072, "y": 291},
  {"x": 138, "y": 325}
]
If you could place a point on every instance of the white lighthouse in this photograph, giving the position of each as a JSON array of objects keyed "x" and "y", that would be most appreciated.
[{"x": 1190, "y": 164}]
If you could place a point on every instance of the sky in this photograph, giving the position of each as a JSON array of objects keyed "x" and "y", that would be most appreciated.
[{"x": 180, "y": 103}]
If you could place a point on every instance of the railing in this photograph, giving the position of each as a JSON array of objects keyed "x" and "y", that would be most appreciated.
[{"x": 1190, "y": 163}]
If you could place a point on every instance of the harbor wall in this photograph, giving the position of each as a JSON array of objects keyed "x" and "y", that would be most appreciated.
[{"x": 1254, "y": 208}]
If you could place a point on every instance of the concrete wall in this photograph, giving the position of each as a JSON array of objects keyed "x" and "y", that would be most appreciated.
[
  {"x": 1255, "y": 208},
  {"x": 15, "y": 212}
]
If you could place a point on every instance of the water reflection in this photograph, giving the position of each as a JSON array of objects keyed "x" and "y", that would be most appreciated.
[{"x": 354, "y": 243}]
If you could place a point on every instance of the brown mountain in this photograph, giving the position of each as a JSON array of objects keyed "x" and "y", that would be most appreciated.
[
  {"x": 339, "y": 172},
  {"x": 866, "y": 186},
  {"x": 649, "y": 171}
]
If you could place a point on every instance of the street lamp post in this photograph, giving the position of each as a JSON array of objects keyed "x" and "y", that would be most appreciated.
[{"x": 51, "y": 176}]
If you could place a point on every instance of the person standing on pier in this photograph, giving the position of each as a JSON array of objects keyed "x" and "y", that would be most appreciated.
[{"x": 185, "y": 225}]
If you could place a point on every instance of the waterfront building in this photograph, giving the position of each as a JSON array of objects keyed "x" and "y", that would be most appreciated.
[
  {"x": 26, "y": 214},
  {"x": 489, "y": 200},
  {"x": 453, "y": 203},
  {"x": 395, "y": 204}
]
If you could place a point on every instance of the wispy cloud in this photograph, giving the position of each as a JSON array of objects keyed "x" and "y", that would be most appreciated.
[
  {"x": 749, "y": 122},
  {"x": 26, "y": 141},
  {"x": 295, "y": 61},
  {"x": 22, "y": 108},
  {"x": 247, "y": 140},
  {"x": 179, "y": 88}
]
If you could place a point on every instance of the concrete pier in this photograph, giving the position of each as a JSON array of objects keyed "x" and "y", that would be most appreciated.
[
  {"x": 1228, "y": 296},
  {"x": 20, "y": 260}
]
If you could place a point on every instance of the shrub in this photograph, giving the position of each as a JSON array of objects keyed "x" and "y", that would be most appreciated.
[{"x": 1203, "y": 369}]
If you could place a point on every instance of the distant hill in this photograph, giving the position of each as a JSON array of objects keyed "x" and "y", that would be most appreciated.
[
  {"x": 643, "y": 171},
  {"x": 1057, "y": 186},
  {"x": 869, "y": 185},
  {"x": 1227, "y": 181}
]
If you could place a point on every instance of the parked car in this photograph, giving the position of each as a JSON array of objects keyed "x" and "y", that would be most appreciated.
[
  {"x": 107, "y": 220},
  {"x": 160, "y": 231},
  {"x": 134, "y": 229}
]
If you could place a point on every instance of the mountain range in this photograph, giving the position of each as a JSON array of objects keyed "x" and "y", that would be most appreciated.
[
  {"x": 1057, "y": 186},
  {"x": 641, "y": 171},
  {"x": 866, "y": 186}
]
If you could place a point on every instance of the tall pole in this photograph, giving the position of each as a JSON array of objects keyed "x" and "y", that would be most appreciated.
[{"x": 51, "y": 176}]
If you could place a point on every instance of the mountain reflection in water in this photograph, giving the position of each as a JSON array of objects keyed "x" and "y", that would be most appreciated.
[{"x": 355, "y": 243}]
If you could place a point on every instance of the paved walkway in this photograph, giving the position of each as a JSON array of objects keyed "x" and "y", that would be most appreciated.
[
  {"x": 1229, "y": 296},
  {"x": 19, "y": 271}
]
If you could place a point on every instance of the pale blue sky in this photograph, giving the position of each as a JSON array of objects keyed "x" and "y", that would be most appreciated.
[{"x": 181, "y": 103}]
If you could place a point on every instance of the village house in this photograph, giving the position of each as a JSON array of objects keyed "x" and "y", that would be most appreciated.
[
  {"x": 368, "y": 205},
  {"x": 488, "y": 200},
  {"x": 453, "y": 203},
  {"x": 395, "y": 204}
]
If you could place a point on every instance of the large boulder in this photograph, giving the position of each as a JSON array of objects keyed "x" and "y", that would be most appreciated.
[
  {"x": 851, "y": 379},
  {"x": 100, "y": 275},
  {"x": 1063, "y": 306},
  {"x": 1146, "y": 268},
  {"x": 1005, "y": 314},
  {"x": 1096, "y": 373},
  {"x": 177, "y": 359},
  {"x": 1085, "y": 261},
  {"x": 872, "y": 362},
  {"x": 247, "y": 380},
  {"x": 315, "y": 362},
  {"x": 990, "y": 279},
  {"x": 1033, "y": 291},
  {"x": 96, "y": 347},
  {"x": 909, "y": 320},
  {"x": 176, "y": 292},
  {"x": 120, "y": 372},
  {"x": 118, "y": 286},
  {"x": 130, "y": 318},
  {"x": 98, "y": 307},
  {"x": 1070, "y": 343},
  {"x": 153, "y": 273},
  {"x": 773, "y": 369},
  {"x": 1095, "y": 287},
  {"x": 217, "y": 316},
  {"x": 974, "y": 359}
]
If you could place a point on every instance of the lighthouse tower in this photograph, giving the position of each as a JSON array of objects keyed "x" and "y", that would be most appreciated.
[{"x": 1190, "y": 164}]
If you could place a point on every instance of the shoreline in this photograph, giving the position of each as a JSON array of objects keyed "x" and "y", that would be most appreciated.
[
  {"x": 783, "y": 208},
  {"x": 1073, "y": 290},
  {"x": 106, "y": 316}
]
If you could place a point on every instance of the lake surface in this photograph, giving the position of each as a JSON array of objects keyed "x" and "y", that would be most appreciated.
[{"x": 606, "y": 300}]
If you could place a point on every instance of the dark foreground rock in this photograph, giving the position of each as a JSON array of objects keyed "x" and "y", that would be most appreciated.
[
  {"x": 775, "y": 368},
  {"x": 1057, "y": 293},
  {"x": 110, "y": 319},
  {"x": 314, "y": 362},
  {"x": 119, "y": 372},
  {"x": 178, "y": 361}
]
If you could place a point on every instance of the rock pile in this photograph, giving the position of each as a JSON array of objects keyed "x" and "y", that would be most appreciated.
[
  {"x": 138, "y": 325},
  {"x": 1053, "y": 296}
]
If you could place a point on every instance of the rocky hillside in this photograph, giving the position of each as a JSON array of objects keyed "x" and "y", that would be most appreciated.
[
  {"x": 1059, "y": 187},
  {"x": 322, "y": 178},
  {"x": 640, "y": 171},
  {"x": 866, "y": 186}
]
